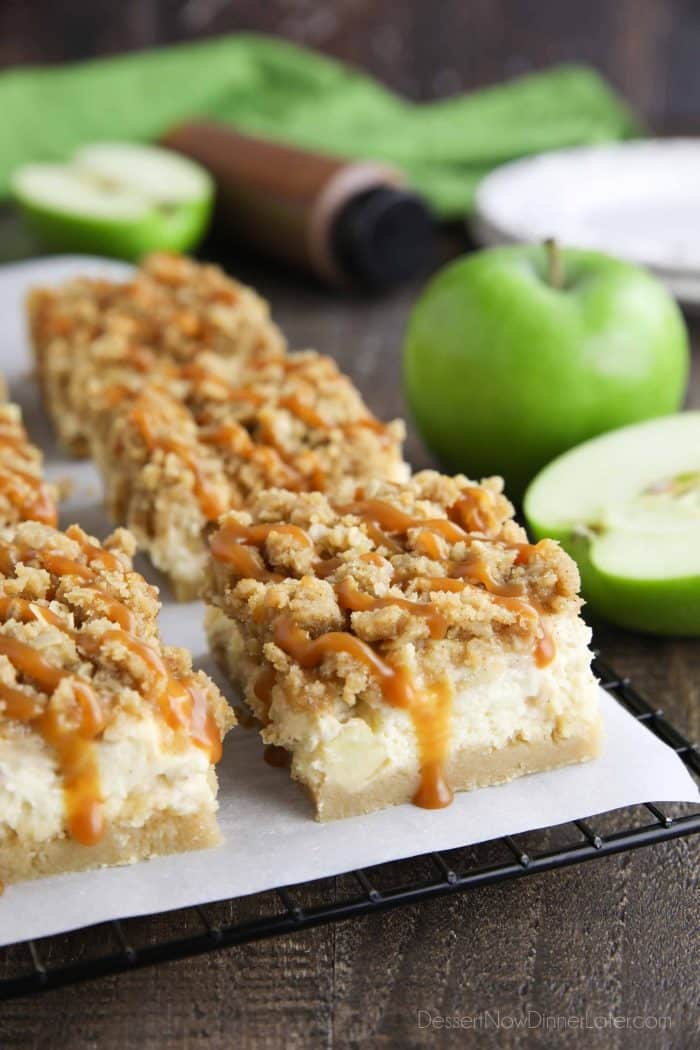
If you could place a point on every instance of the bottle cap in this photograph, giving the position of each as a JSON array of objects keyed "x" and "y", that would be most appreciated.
[{"x": 383, "y": 236}]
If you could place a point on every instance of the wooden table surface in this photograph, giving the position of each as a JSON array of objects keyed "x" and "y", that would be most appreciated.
[{"x": 616, "y": 936}]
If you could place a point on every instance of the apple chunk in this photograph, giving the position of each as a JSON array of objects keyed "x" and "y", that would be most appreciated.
[
  {"x": 626, "y": 506},
  {"x": 119, "y": 199}
]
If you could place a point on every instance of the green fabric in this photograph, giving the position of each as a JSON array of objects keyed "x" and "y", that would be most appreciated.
[{"x": 279, "y": 90}]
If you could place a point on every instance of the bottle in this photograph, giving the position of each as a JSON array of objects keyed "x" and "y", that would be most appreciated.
[{"x": 347, "y": 222}]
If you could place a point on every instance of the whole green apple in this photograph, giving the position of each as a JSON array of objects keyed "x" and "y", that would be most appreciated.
[
  {"x": 120, "y": 199},
  {"x": 515, "y": 354},
  {"x": 626, "y": 506}
]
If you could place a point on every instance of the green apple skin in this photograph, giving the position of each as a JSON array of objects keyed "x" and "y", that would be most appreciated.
[
  {"x": 503, "y": 371},
  {"x": 668, "y": 607},
  {"x": 177, "y": 228}
]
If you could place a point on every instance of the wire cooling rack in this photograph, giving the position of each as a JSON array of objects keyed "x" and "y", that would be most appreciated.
[{"x": 115, "y": 947}]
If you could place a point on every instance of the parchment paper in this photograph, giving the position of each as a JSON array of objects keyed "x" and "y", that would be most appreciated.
[{"x": 270, "y": 836}]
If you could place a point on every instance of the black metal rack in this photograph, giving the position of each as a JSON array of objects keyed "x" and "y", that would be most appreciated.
[{"x": 31, "y": 967}]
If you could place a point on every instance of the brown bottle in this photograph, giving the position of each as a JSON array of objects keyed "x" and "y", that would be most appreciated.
[{"x": 348, "y": 222}]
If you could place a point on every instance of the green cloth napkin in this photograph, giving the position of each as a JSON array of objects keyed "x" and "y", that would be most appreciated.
[{"x": 281, "y": 91}]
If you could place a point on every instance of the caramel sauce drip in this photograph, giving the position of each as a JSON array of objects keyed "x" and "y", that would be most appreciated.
[
  {"x": 476, "y": 571},
  {"x": 545, "y": 649},
  {"x": 92, "y": 552},
  {"x": 303, "y": 412},
  {"x": 70, "y": 738},
  {"x": 392, "y": 519},
  {"x": 233, "y": 541},
  {"x": 182, "y": 704},
  {"x": 428, "y": 710},
  {"x": 27, "y": 492},
  {"x": 427, "y": 543},
  {"x": 195, "y": 371},
  {"x": 474, "y": 511},
  {"x": 291, "y": 402},
  {"x": 60, "y": 565},
  {"x": 35, "y": 505},
  {"x": 267, "y": 455},
  {"x": 211, "y": 502},
  {"x": 117, "y": 611},
  {"x": 327, "y": 566},
  {"x": 349, "y": 597},
  {"x": 264, "y": 684},
  {"x": 432, "y": 716}
]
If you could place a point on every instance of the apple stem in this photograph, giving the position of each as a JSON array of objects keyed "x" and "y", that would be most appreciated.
[{"x": 554, "y": 263}]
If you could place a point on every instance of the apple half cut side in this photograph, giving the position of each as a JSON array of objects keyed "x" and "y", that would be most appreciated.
[
  {"x": 119, "y": 199},
  {"x": 626, "y": 506}
]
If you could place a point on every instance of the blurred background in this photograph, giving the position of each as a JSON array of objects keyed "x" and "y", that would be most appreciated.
[{"x": 648, "y": 49}]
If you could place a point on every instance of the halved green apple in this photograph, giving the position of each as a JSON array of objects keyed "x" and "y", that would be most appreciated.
[
  {"x": 626, "y": 506},
  {"x": 117, "y": 198}
]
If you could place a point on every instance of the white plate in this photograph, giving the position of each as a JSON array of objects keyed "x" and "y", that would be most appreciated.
[
  {"x": 637, "y": 200},
  {"x": 271, "y": 838}
]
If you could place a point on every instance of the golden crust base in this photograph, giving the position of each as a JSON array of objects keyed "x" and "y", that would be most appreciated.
[
  {"x": 163, "y": 833},
  {"x": 467, "y": 769}
]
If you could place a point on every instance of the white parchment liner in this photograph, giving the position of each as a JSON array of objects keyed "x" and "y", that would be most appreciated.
[{"x": 270, "y": 836}]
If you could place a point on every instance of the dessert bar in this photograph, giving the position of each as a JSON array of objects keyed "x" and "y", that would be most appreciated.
[
  {"x": 108, "y": 738},
  {"x": 191, "y": 446},
  {"x": 402, "y": 642},
  {"x": 172, "y": 309}
]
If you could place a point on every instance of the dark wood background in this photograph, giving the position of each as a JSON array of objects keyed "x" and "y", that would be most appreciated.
[
  {"x": 650, "y": 49},
  {"x": 619, "y": 935}
]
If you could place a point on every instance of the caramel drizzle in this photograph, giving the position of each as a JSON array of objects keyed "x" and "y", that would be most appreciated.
[
  {"x": 28, "y": 493},
  {"x": 474, "y": 511},
  {"x": 354, "y": 600},
  {"x": 264, "y": 685},
  {"x": 308, "y": 415},
  {"x": 267, "y": 455},
  {"x": 429, "y": 710},
  {"x": 72, "y": 743},
  {"x": 211, "y": 502},
  {"x": 183, "y": 704},
  {"x": 232, "y": 544},
  {"x": 36, "y": 504}
]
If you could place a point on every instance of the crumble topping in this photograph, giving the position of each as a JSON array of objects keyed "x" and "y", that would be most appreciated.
[
  {"x": 172, "y": 310},
  {"x": 432, "y": 574},
  {"x": 297, "y": 423}
]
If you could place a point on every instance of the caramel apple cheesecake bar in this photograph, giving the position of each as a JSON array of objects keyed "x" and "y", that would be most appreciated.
[
  {"x": 403, "y": 642},
  {"x": 208, "y": 436},
  {"x": 108, "y": 738},
  {"x": 172, "y": 309},
  {"x": 24, "y": 494}
]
